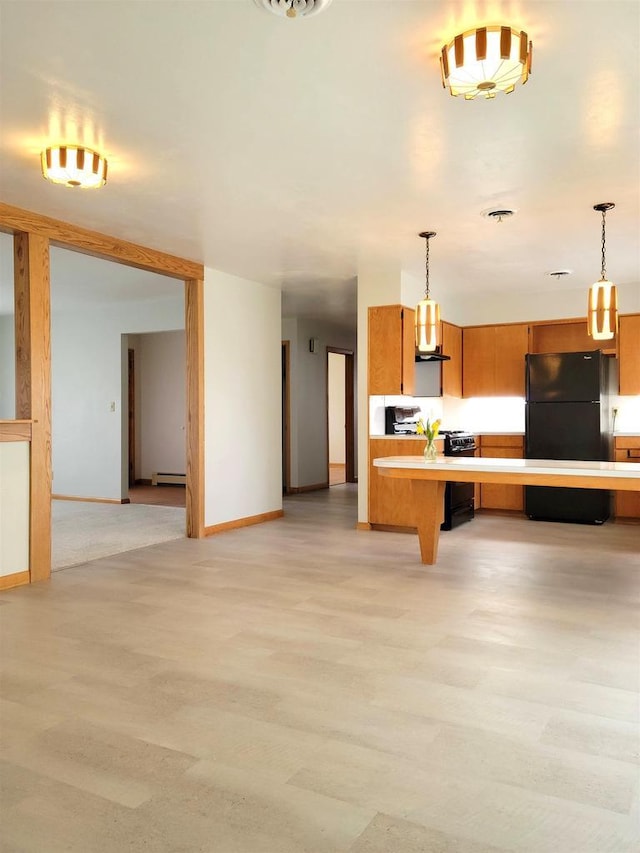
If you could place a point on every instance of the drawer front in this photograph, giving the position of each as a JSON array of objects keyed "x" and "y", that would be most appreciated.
[
  {"x": 628, "y": 442},
  {"x": 516, "y": 441}
]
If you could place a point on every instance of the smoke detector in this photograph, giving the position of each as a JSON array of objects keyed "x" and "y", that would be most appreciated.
[
  {"x": 294, "y": 8},
  {"x": 497, "y": 214}
]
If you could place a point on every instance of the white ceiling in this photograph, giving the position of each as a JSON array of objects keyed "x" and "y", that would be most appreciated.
[{"x": 284, "y": 151}]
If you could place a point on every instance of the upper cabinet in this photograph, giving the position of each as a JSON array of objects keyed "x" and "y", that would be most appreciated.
[
  {"x": 562, "y": 336},
  {"x": 391, "y": 350},
  {"x": 629, "y": 354},
  {"x": 493, "y": 363},
  {"x": 452, "y": 369}
]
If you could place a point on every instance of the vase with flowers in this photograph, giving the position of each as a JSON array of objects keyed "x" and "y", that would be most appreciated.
[{"x": 430, "y": 431}]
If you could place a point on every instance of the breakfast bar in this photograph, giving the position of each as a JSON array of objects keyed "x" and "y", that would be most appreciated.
[{"x": 428, "y": 482}]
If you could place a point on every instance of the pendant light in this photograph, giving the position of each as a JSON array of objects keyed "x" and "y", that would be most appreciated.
[
  {"x": 427, "y": 311},
  {"x": 602, "y": 315}
]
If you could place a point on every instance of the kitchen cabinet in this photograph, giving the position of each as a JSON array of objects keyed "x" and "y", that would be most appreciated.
[
  {"x": 493, "y": 360},
  {"x": 452, "y": 369},
  {"x": 563, "y": 336},
  {"x": 391, "y": 350},
  {"x": 390, "y": 500},
  {"x": 497, "y": 495},
  {"x": 627, "y": 449},
  {"x": 629, "y": 354}
]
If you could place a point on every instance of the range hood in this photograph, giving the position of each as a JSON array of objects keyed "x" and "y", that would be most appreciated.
[{"x": 437, "y": 355}]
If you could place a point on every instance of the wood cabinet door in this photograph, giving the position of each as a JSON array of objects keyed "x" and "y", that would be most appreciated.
[
  {"x": 497, "y": 495},
  {"x": 629, "y": 354},
  {"x": 452, "y": 369},
  {"x": 627, "y": 504},
  {"x": 478, "y": 361},
  {"x": 512, "y": 344},
  {"x": 390, "y": 500},
  {"x": 391, "y": 350}
]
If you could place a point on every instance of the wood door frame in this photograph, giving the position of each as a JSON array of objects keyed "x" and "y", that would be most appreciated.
[
  {"x": 349, "y": 403},
  {"x": 286, "y": 420},
  {"x": 33, "y": 234},
  {"x": 131, "y": 415}
]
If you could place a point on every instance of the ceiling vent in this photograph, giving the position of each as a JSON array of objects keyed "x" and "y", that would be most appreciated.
[
  {"x": 294, "y": 8},
  {"x": 497, "y": 214}
]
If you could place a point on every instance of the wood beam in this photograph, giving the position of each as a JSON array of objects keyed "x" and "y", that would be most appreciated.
[
  {"x": 14, "y": 220},
  {"x": 194, "y": 327},
  {"x": 33, "y": 386}
]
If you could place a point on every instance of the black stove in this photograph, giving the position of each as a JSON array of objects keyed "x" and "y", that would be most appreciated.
[{"x": 458, "y": 497}]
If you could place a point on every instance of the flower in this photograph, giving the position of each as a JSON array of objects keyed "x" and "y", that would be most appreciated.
[{"x": 430, "y": 430}]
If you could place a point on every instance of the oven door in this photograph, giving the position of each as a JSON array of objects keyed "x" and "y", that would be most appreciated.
[{"x": 458, "y": 497}]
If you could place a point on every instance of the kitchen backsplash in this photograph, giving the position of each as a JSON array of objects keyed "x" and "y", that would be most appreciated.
[{"x": 487, "y": 414}]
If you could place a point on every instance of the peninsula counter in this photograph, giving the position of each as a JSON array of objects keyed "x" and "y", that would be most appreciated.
[{"x": 428, "y": 480}]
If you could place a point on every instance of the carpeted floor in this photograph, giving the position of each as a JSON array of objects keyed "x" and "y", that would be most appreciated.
[{"x": 86, "y": 531}]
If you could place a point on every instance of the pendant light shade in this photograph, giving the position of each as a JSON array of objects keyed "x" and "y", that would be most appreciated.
[
  {"x": 602, "y": 309},
  {"x": 427, "y": 311},
  {"x": 485, "y": 61},
  {"x": 74, "y": 166}
]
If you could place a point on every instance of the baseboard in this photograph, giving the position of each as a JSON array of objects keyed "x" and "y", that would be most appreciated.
[
  {"x": 393, "y": 528},
  {"x": 243, "y": 522},
  {"x": 143, "y": 482},
  {"x": 16, "y": 579},
  {"x": 363, "y": 525},
  {"x": 91, "y": 500},
  {"x": 296, "y": 490}
]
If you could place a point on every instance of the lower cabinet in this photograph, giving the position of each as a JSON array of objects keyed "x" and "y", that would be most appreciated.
[
  {"x": 495, "y": 495},
  {"x": 390, "y": 500},
  {"x": 627, "y": 449}
]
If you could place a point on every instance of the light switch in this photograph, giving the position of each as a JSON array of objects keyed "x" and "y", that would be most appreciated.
[{"x": 112, "y": 407}]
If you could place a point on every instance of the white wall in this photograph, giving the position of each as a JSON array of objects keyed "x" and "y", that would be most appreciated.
[
  {"x": 308, "y": 379},
  {"x": 7, "y": 368},
  {"x": 87, "y": 378},
  {"x": 337, "y": 412},
  {"x": 14, "y": 507},
  {"x": 243, "y": 410},
  {"x": 160, "y": 388}
]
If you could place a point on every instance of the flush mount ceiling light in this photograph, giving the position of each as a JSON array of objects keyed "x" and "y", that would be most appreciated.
[
  {"x": 602, "y": 312},
  {"x": 74, "y": 166},
  {"x": 294, "y": 8},
  {"x": 427, "y": 311},
  {"x": 485, "y": 61}
]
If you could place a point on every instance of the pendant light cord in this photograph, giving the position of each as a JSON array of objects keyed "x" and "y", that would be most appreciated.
[
  {"x": 426, "y": 292},
  {"x": 604, "y": 265}
]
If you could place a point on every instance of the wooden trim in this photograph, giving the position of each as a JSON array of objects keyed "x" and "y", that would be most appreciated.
[
  {"x": 296, "y": 490},
  {"x": 14, "y": 220},
  {"x": 33, "y": 386},
  {"x": 16, "y": 579},
  {"x": 363, "y": 525},
  {"x": 143, "y": 482},
  {"x": 394, "y": 528},
  {"x": 15, "y": 431},
  {"x": 90, "y": 500},
  {"x": 194, "y": 329},
  {"x": 286, "y": 417},
  {"x": 243, "y": 522}
]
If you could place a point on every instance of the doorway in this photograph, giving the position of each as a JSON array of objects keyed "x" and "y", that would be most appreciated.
[{"x": 340, "y": 417}]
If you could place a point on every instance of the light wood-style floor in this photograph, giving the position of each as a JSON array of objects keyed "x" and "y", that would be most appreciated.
[
  {"x": 158, "y": 495},
  {"x": 301, "y": 687}
]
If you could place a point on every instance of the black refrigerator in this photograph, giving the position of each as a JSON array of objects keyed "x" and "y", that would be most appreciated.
[{"x": 568, "y": 417}]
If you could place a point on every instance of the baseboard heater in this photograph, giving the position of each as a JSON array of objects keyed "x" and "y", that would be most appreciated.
[{"x": 162, "y": 478}]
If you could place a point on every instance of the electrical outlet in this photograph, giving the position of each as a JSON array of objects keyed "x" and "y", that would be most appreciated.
[{"x": 112, "y": 407}]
